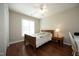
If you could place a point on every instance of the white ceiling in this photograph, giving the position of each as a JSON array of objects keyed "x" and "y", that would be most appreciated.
[{"x": 32, "y": 9}]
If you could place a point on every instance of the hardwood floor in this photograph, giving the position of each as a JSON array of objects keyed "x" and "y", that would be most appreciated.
[{"x": 48, "y": 49}]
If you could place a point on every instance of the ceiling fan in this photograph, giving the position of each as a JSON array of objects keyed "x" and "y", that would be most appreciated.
[
  {"x": 43, "y": 8},
  {"x": 39, "y": 11},
  {"x": 39, "y": 8}
]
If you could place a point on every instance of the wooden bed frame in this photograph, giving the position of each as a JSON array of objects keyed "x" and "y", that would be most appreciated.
[{"x": 32, "y": 40}]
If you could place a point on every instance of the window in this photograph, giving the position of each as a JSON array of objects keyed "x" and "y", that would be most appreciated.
[{"x": 27, "y": 27}]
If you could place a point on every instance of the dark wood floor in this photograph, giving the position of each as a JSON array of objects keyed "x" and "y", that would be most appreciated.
[{"x": 48, "y": 49}]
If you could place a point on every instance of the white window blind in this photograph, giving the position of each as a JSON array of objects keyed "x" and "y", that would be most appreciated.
[{"x": 28, "y": 27}]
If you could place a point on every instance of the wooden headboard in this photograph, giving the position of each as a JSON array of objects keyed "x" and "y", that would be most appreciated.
[{"x": 51, "y": 31}]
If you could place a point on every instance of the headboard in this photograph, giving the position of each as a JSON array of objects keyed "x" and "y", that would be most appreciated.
[{"x": 51, "y": 31}]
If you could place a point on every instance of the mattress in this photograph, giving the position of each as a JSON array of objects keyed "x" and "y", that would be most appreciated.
[{"x": 42, "y": 38}]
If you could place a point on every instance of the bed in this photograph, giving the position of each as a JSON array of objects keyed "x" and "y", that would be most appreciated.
[{"x": 38, "y": 39}]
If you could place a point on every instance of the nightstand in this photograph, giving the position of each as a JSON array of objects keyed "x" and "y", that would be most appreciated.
[{"x": 59, "y": 40}]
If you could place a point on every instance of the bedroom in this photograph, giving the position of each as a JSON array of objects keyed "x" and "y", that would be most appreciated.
[{"x": 61, "y": 16}]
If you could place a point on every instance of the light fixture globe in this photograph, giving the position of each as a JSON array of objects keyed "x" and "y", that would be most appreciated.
[{"x": 43, "y": 8}]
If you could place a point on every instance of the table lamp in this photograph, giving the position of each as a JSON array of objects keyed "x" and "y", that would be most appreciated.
[{"x": 57, "y": 31}]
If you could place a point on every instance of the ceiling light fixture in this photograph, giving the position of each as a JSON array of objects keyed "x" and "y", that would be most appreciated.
[{"x": 43, "y": 8}]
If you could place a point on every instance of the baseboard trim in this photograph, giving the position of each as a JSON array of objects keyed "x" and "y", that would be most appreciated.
[{"x": 16, "y": 42}]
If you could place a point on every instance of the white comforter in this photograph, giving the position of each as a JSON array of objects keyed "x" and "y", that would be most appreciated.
[{"x": 42, "y": 38}]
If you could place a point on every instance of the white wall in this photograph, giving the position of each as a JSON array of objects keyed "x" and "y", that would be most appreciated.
[
  {"x": 67, "y": 20},
  {"x": 4, "y": 26},
  {"x": 16, "y": 26}
]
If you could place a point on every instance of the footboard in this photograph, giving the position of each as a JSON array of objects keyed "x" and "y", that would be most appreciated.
[{"x": 30, "y": 40}]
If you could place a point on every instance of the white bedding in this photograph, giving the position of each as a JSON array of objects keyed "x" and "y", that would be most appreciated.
[{"x": 42, "y": 38}]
